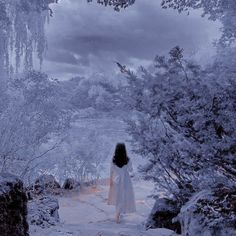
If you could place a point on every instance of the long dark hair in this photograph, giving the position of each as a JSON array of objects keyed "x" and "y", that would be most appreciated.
[{"x": 120, "y": 157}]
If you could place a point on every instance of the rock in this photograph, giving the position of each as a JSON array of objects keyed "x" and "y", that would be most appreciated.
[
  {"x": 46, "y": 184},
  {"x": 210, "y": 213},
  {"x": 43, "y": 211},
  {"x": 89, "y": 183},
  {"x": 13, "y": 206},
  {"x": 71, "y": 183},
  {"x": 30, "y": 192},
  {"x": 163, "y": 212}
]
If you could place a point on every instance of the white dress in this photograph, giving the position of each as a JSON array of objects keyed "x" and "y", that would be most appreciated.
[{"x": 121, "y": 193}]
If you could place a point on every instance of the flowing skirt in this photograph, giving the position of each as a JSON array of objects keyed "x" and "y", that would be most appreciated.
[{"x": 121, "y": 194}]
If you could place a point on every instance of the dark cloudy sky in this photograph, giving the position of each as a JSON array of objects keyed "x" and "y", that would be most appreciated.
[{"x": 84, "y": 38}]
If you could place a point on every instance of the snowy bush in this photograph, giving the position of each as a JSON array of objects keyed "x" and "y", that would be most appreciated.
[
  {"x": 43, "y": 211},
  {"x": 80, "y": 156},
  {"x": 33, "y": 119},
  {"x": 182, "y": 122}
]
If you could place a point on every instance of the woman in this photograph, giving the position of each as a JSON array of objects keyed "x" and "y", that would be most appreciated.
[{"x": 121, "y": 193}]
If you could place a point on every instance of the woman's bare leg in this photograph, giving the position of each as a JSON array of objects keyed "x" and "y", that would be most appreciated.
[{"x": 118, "y": 217}]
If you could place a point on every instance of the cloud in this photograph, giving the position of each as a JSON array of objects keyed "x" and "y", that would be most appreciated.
[{"x": 90, "y": 37}]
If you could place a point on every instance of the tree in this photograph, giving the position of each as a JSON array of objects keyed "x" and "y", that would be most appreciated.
[
  {"x": 223, "y": 10},
  {"x": 22, "y": 30},
  {"x": 32, "y": 122},
  {"x": 182, "y": 122},
  {"x": 117, "y": 4},
  {"x": 34, "y": 110},
  {"x": 95, "y": 92},
  {"x": 80, "y": 156}
]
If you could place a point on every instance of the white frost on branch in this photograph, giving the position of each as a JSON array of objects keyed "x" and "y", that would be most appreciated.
[{"x": 22, "y": 32}]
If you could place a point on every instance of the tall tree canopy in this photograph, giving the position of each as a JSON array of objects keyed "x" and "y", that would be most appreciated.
[
  {"x": 117, "y": 4},
  {"x": 223, "y": 10},
  {"x": 21, "y": 30}
]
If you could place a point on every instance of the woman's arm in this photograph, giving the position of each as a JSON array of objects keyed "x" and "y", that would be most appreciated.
[
  {"x": 111, "y": 174},
  {"x": 130, "y": 167}
]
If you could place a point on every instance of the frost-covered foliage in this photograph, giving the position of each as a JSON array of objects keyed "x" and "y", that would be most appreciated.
[
  {"x": 81, "y": 155},
  {"x": 117, "y": 4},
  {"x": 223, "y": 10},
  {"x": 22, "y": 30},
  {"x": 39, "y": 119},
  {"x": 33, "y": 116},
  {"x": 35, "y": 112},
  {"x": 184, "y": 123},
  {"x": 95, "y": 92}
]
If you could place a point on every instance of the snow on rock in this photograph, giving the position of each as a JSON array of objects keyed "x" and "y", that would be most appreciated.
[
  {"x": 205, "y": 214},
  {"x": 13, "y": 206},
  {"x": 46, "y": 184},
  {"x": 43, "y": 211},
  {"x": 162, "y": 214},
  {"x": 71, "y": 183}
]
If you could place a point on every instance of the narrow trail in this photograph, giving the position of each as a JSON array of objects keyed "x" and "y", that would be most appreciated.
[
  {"x": 86, "y": 213},
  {"x": 92, "y": 202}
]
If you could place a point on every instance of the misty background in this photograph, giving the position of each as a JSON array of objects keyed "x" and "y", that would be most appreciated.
[{"x": 86, "y": 38}]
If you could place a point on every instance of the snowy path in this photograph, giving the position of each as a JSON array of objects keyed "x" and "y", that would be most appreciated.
[{"x": 87, "y": 214}]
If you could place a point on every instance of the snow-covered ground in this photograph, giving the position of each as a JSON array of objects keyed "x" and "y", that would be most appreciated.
[{"x": 86, "y": 213}]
